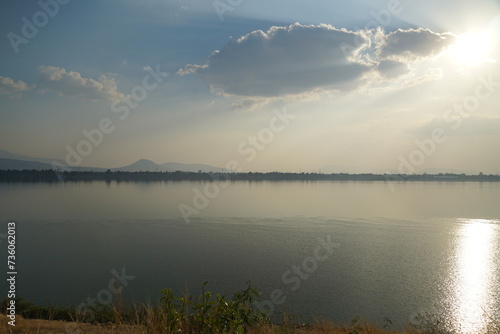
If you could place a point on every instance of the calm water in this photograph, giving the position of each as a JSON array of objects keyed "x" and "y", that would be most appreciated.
[{"x": 414, "y": 248}]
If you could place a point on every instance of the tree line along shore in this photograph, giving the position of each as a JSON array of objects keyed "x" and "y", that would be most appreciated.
[{"x": 59, "y": 176}]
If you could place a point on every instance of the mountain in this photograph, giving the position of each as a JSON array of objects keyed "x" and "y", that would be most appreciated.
[
  {"x": 7, "y": 155},
  {"x": 19, "y": 162},
  {"x": 22, "y": 164},
  {"x": 138, "y": 166},
  {"x": 15, "y": 161},
  {"x": 150, "y": 166}
]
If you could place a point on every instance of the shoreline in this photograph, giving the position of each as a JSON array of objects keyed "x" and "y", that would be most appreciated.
[
  {"x": 206, "y": 313},
  {"x": 19, "y": 176},
  {"x": 46, "y": 326}
]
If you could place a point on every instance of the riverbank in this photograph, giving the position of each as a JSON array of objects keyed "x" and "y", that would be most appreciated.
[
  {"x": 206, "y": 313},
  {"x": 41, "y": 326}
]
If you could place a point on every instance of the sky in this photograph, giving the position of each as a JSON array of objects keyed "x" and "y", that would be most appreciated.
[{"x": 395, "y": 86}]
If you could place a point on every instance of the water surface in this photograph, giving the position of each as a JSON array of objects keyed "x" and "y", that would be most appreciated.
[{"x": 417, "y": 248}]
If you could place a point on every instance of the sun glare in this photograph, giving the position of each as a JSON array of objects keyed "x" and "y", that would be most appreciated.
[{"x": 472, "y": 49}]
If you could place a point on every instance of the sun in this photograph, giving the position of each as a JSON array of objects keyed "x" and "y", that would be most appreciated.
[{"x": 472, "y": 48}]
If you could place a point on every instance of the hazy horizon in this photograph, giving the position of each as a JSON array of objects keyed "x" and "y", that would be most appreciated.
[{"x": 325, "y": 169}]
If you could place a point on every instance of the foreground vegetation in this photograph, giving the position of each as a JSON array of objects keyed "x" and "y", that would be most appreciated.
[{"x": 206, "y": 313}]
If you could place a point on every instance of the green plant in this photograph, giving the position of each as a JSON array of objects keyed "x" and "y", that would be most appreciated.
[{"x": 210, "y": 313}]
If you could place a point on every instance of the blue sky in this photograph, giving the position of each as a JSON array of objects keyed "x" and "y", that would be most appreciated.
[{"x": 368, "y": 85}]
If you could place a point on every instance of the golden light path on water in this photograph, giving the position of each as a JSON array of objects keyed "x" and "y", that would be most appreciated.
[{"x": 474, "y": 302}]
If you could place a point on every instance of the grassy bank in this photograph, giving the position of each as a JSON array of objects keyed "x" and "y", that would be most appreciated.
[
  {"x": 206, "y": 313},
  {"x": 40, "y": 326}
]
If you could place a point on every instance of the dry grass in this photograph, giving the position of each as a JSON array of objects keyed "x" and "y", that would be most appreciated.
[
  {"x": 36, "y": 326},
  {"x": 187, "y": 314}
]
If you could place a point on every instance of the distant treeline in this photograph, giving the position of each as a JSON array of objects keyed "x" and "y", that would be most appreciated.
[{"x": 79, "y": 176}]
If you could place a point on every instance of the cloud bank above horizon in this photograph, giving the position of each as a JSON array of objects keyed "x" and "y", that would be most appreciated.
[{"x": 300, "y": 59}]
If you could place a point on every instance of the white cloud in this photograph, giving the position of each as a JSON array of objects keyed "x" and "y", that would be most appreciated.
[
  {"x": 409, "y": 45},
  {"x": 73, "y": 84},
  {"x": 284, "y": 60},
  {"x": 248, "y": 104},
  {"x": 12, "y": 88},
  {"x": 299, "y": 60}
]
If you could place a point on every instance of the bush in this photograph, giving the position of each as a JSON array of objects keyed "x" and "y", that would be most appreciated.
[{"x": 208, "y": 313}]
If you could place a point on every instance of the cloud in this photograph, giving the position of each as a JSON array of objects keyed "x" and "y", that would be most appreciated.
[
  {"x": 248, "y": 104},
  {"x": 298, "y": 60},
  {"x": 12, "y": 88},
  {"x": 284, "y": 60},
  {"x": 412, "y": 44},
  {"x": 73, "y": 84},
  {"x": 392, "y": 69}
]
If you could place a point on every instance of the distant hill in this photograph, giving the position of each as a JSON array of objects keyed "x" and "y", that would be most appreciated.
[
  {"x": 7, "y": 155},
  {"x": 20, "y": 162},
  {"x": 144, "y": 165},
  {"x": 37, "y": 165},
  {"x": 15, "y": 161}
]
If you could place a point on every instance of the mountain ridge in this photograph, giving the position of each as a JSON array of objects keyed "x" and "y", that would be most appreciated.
[
  {"x": 9, "y": 160},
  {"x": 146, "y": 165}
]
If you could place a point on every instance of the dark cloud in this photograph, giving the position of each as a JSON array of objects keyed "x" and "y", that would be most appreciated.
[
  {"x": 392, "y": 69},
  {"x": 300, "y": 59},
  {"x": 283, "y": 60}
]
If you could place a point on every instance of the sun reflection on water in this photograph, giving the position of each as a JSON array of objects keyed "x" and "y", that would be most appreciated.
[{"x": 475, "y": 275}]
